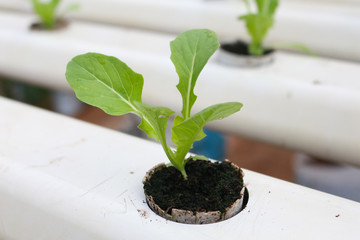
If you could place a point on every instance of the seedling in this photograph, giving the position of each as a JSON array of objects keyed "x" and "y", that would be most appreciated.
[
  {"x": 46, "y": 10},
  {"x": 108, "y": 83},
  {"x": 259, "y": 23}
]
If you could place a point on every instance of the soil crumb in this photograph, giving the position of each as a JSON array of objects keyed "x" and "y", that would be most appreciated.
[{"x": 143, "y": 213}]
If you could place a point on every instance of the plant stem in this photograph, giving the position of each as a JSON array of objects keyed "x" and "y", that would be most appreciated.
[
  {"x": 255, "y": 49},
  {"x": 183, "y": 172},
  {"x": 170, "y": 154}
]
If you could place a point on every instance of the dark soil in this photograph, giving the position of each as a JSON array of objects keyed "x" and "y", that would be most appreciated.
[
  {"x": 210, "y": 187},
  {"x": 240, "y": 48},
  {"x": 60, "y": 24}
]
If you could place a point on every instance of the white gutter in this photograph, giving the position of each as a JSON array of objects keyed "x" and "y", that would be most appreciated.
[
  {"x": 342, "y": 2},
  {"x": 328, "y": 28},
  {"x": 299, "y": 102},
  {"x": 65, "y": 179}
]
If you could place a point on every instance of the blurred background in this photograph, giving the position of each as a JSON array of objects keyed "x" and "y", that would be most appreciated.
[{"x": 300, "y": 108}]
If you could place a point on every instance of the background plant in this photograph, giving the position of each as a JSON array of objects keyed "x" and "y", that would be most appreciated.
[
  {"x": 259, "y": 23},
  {"x": 108, "y": 83},
  {"x": 46, "y": 10}
]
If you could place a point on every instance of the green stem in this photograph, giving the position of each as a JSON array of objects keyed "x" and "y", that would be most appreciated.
[
  {"x": 169, "y": 153},
  {"x": 255, "y": 49},
  {"x": 171, "y": 156},
  {"x": 49, "y": 23},
  {"x": 183, "y": 172}
]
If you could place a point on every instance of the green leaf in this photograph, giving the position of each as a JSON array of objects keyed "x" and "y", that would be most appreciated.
[
  {"x": 72, "y": 8},
  {"x": 46, "y": 12},
  {"x": 197, "y": 157},
  {"x": 185, "y": 133},
  {"x": 257, "y": 26},
  {"x": 154, "y": 119},
  {"x": 267, "y": 7},
  {"x": 247, "y": 4},
  {"x": 105, "y": 82},
  {"x": 295, "y": 46},
  {"x": 108, "y": 83},
  {"x": 190, "y": 51},
  {"x": 259, "y": 23},
  {"x": 177, "y": 121}
]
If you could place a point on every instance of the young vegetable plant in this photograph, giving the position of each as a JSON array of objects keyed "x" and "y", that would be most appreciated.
[
  {"x": 108, "y": 83},
  {"x": 259, "y": 23},
  {"x": 46, "y": 10}
]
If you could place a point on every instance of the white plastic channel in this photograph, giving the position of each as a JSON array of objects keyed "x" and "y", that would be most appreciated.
[
  {"x": 65, "y": 179},
  {"x": 303, "y": 103},
  {"x": 347, "y": 2},
  {"x": 328, "y": 28}
]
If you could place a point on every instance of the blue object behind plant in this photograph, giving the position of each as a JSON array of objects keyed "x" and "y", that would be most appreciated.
[{"x": 212, "y": 146}]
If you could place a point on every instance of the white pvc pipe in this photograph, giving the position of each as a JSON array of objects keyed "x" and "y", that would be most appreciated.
[
  {"x": 337, "y": 179},
  {"x": 341, "y": 2},
  {"x": 329, "y": 29},
  {"x": 299, "y": 102},
  {"x": 65, "y": 179}
]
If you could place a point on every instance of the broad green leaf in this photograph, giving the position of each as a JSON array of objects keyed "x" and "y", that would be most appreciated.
[
  {"x": 154, "y": 119},
  {"x": 46, "y": 12},
  {"x": 190, "y": 51},
  {"x": 267, "y": 7},
  {"x": 108, "y": 83},
  {"x": 177, "y": 121},
  {"x": 257, "y": 26},
  {"x": 105, "y": 82},
  {"x": 185, "y": 133},
  {"x": 259, "y": 23}
]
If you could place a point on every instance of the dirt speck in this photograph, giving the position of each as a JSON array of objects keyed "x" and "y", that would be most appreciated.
[
  {"x": 289, "y": 95},
  {"x": 131, "y": 172},
  {"x": 74, "y": 144},
  {"x": 143, "y": 213},
  {"x": 337, "y": 215},
  {"x": 51, "y": 162},
  {"x": 55, "y": 160},
  {"x": 269, "y": 191},
  {"x": 316, "y": 82}
]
